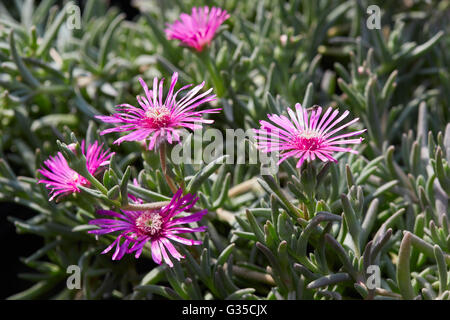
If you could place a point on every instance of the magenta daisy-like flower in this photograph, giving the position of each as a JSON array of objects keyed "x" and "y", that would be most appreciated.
[
  {"x": 63, "y": 180},
  {"x": 306, "y": 135},
  {"x": 198, "y": 29},
  {"x": 159, "y": 121},
  {"x": 157, "y": 227}
]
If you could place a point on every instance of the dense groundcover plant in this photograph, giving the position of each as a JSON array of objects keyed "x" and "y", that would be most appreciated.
[{"x": 95, "y": 108}]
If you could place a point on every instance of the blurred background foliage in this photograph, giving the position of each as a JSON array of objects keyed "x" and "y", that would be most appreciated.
[{"x": 301, "y": 234}]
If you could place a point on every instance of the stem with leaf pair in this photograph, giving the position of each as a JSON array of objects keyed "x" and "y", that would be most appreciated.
[
  {"x": 162, "y": 157},
  {"x": 216, "y": 79}
]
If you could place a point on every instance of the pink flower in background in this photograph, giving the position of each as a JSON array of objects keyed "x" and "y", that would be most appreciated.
[
  {"x": 198, "y": 29},
  {"x": 62, "y": 180},
  {"x": 156, "y": 120},
  {"x": 306, "y": 136},
  {"x": 132, "y": 197},
  {"x": 157, "y": 227}
]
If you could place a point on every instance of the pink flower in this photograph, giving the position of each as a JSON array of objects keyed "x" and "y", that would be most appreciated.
[
  {"x": 198, "y": 29},
  {"x": 132, "y": 197},
  {"x": 62, "y": 180},
  {"x": 306, "y": 136},
  {"x": 158, "y": 121},
  {"x": 157, "y": 227}
]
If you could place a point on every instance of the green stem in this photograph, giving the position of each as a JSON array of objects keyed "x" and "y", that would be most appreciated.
[
  {"x": 145, "y": 206},
  {"x": 254, "y": 275},
  {"x": 243, "y": 187},
  {"x": 96, "y": 183},
  {"x": 162, "y": 158},
  {"x": 213, "y": 72}
]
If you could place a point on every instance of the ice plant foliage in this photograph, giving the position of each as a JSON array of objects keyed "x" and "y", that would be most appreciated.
[
  {"x": 198, "y": 29},
  {"x": 363, "y": 229},
  {"x": 157, "y": 227},
  {"x": 62, "y": 180},
  {"x": 306, "y": 135},
  {"x": 158, "y": 121}
]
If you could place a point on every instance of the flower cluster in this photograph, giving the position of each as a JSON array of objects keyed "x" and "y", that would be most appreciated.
[
  {"x": 198, "y": 29},
  {"x": 156, "y": 227},
  {"x": 62, "y": 180},
  {"x": 158, "y": 121},
  {"x": 304, "y": 135}
]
